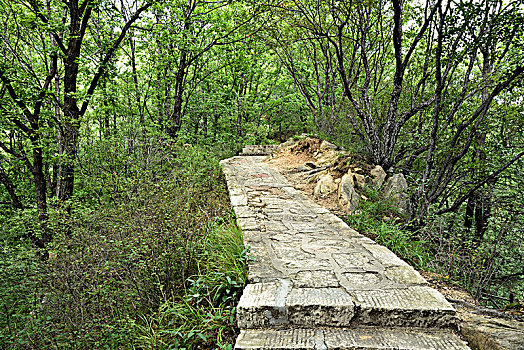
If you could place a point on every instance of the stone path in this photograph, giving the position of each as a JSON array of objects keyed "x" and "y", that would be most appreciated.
[{"x": 315, "y": 283}]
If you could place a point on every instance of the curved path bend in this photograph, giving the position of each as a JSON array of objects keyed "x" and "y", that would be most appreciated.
[{"x": 315, "y": 283}]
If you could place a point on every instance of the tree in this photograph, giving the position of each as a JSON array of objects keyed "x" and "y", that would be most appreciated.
[
  {"x": 44, "y": 42},
  {"x": 184, "y": 33},
  {"x": 480, "y": 34},
  {"x": 364, "y": 39}
]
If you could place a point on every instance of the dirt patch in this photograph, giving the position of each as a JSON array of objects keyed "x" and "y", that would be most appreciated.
[
  {"x": 446, "y": 288},
  {"x": 286, "y": 160},
  {"x": 309, "y": 145}
]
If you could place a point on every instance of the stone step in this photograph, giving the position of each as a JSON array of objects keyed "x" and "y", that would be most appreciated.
[
  {"x": 278, "y": 304},
  {"x": 340, "y": 338}
]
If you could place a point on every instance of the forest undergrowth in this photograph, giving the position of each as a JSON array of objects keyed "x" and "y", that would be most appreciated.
[
  {"x": 488, "y": 267},
  {"x": 149, "y": 257}
]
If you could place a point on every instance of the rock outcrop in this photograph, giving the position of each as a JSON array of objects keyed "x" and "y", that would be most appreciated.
[
  {"x": 348, "y": 198},
  {"x": 325, "y": 185},
  {"x": 378, "y": 175},
  {"x": 395, "y": 188},
  {"x": 487, "y": 333}
]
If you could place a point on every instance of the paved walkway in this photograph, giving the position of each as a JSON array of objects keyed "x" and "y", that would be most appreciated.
[{"x": 315, "y": 283}]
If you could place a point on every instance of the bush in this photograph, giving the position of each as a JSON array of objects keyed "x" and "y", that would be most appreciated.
[{"x": 139, "y": 236}]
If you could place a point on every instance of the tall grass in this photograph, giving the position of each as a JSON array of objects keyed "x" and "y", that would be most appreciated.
[{"x": 203, "y": 316}]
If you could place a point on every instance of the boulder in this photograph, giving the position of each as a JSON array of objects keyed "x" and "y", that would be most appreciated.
[
  {"x": 325, "y": 145},
  {"x": 357, "y": 180},
  {"x": 395, "y": 188},
  {"x": 378, "y": 175},
  {"x": 324, "y": 158},
  {"x": 348, "y": 198},
  {"x": 325, "y": 186}
]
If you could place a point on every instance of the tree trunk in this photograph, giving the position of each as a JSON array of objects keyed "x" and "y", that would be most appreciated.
[
  {"x": 41, "y": 197},
  {"x": 10, "y": 188},
  {"x": 68, "y": 138},
  {"x": 176, "y": 120},
  {"x": 68, "y": 145}
]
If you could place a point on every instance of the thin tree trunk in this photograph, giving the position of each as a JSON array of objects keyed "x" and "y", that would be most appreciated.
[
  {"x": 11, "y": 189},
  {"x": 176, "y": 120}
]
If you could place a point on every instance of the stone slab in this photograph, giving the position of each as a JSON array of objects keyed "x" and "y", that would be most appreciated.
[
  {"x": 275, "y": 304},
  {"x": 345, "y": 339},
  {"x": 417, "y": 306}
]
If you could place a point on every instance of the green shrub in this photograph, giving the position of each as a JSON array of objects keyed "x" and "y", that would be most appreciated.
[
  {"x": 139, "y": 236},
  {"x": 203, "y": 315}
]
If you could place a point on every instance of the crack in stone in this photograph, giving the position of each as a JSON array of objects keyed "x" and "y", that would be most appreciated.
[
  {"x": 319, "y": 341},
  {"x": 280, "y": 304}
]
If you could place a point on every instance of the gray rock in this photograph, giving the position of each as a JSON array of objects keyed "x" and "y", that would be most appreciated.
[
  {"x": 325, "y": 186},
  {"x": 303, "y": 168},
  {"x": 395, "y": 188},
  {"x": 378, "y": 175},
  {"x": 306, "y": 167},
  {"x": 357, "y": 180},
  {"x": 348, "y": 198},
  {"x": 485, "y": 333},
  {"x": 325, "y": 145}
]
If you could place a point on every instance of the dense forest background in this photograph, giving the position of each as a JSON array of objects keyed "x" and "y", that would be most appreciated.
[{"x": 115, "y": 228}]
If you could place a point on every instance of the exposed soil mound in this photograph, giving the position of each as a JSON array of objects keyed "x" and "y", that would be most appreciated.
[{"x": 309, "y": 146}]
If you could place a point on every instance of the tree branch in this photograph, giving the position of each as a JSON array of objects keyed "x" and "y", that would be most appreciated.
[
  {"x": 462, "y": 199},
  {"x": 109, "y": 55}
]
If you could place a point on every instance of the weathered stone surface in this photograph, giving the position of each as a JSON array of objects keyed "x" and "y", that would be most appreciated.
[
  {"x": 326, "y": 157},
  {"x": 243, "y": 211},
  {"x": 276, "y": 304},
  {"x": 263, "y": 305},
  {"x": 405, "y": 275},
  {"x": 357, "y": 180},
  {"x": 378, "y": 175},
  {"x": 413, "y": 306},
  {"x": 346, "y": 339},
  {"x": 325, "y": 186},
  {"x": 384, "y": 255},
  {"x": 348, "y": 198},
  {"x": 258, "y": 150},
  {"x": 395, "y": 188},
  {"x": 247, "y": 223},
  {"x": 376, "y": 338},
  {"x": 327, "y": 145},
  {"x": 315, "y": 279},
  {"x": 294, "y": 339},
  {"x": 308, "y": 269},
  {"x": 485, "y": 333},
  {"x": 319, "y": 307}
]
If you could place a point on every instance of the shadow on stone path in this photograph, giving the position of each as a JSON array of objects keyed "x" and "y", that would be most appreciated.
[{"x": 315, "y": 283}]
